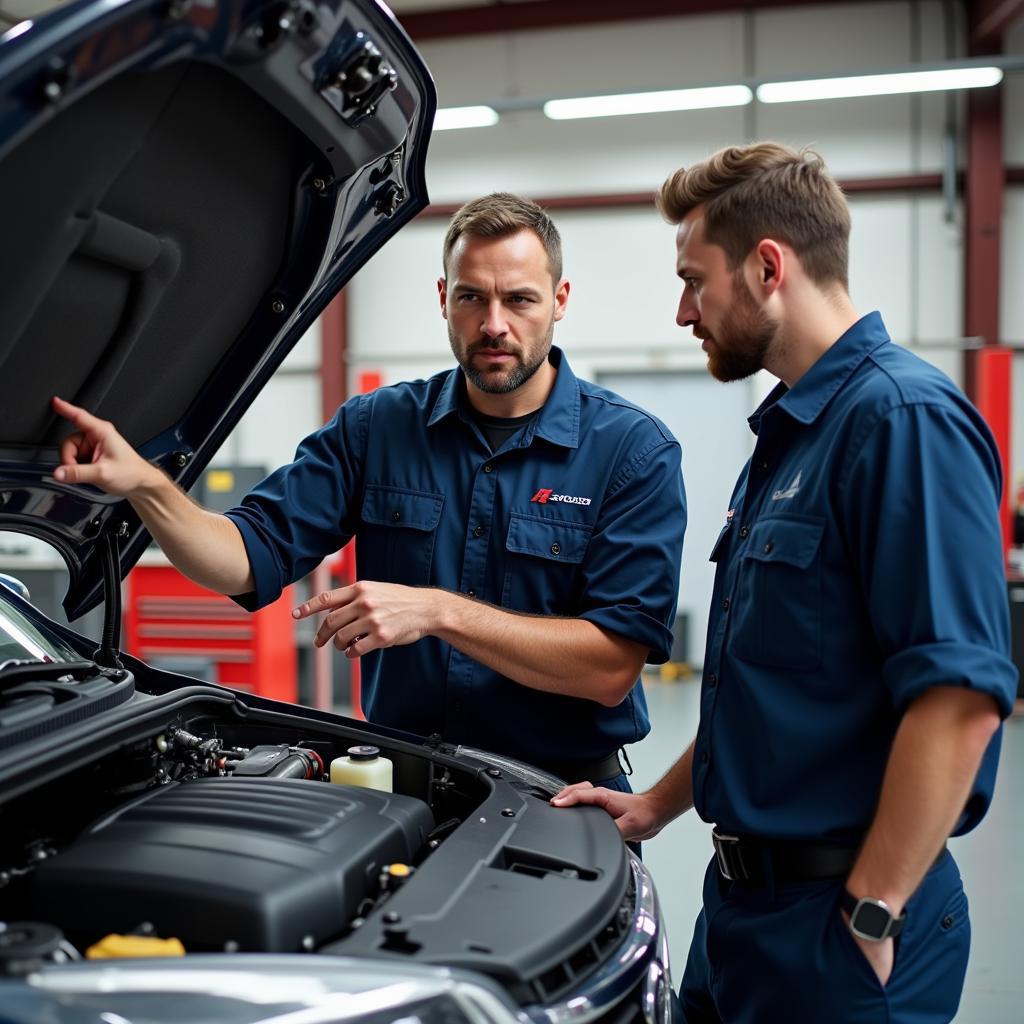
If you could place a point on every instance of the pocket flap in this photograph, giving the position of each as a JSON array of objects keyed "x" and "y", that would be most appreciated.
[
  {"x": 548, "y": 538},
  {"x": 790, "y": 540},
  {"x": 396, "y": 506},
  {"x": 716, "y": 551}
]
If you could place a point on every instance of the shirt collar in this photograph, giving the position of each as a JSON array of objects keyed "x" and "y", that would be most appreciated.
[
  {"x": 807, "y": 399},
  {"x": 558, "y": 420}
]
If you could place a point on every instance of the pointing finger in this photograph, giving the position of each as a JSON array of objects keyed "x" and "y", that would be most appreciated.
[
  {"x": 324, "y": 601},
  {"x": 77, "y": 415}
]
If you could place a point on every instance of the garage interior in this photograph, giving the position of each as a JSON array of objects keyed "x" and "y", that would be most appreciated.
[{"x": 936, "y": 188}]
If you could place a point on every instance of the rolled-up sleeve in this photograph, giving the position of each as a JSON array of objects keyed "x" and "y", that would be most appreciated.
[
  {"x": 921, "y": 507},
  {"x": 631, "y": 572},
  {"x": 303, "y": 512}
]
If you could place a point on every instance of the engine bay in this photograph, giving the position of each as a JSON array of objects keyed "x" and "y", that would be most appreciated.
[{"x": 221, "y": 829}]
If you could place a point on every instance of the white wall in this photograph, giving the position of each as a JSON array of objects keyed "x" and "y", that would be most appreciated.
[{"x": 906, "y": 252}]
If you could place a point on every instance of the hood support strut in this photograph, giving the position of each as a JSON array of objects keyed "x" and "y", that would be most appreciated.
[{"x": 110, "y": 554}]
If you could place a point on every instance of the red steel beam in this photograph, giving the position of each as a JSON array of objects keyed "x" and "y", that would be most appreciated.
[
  {"x": 991, "y": 18},
  {"x": 333, "y": 355},
  {"x": 988, "y": 375},
  {"x": 448, "y": 23},
  {"x": 852, "y": 186}
]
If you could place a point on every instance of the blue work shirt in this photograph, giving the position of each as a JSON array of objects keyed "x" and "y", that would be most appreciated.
[
  {"x": 860, "y": 565},
  {"x": 579, "y": 514}
]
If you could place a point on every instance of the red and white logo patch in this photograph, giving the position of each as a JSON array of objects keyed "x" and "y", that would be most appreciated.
[{"x": 546, "y": 494}]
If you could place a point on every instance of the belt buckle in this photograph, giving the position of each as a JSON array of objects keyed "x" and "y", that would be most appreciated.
[{"x": 729, "y": 854}]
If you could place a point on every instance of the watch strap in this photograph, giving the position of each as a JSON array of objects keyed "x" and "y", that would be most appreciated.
[{"x": 855, "y": 908}]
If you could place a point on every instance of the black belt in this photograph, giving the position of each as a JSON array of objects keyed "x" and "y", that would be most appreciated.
[
  {"x": 601, "y": 770},
  {"x": 741, "y": 859}
]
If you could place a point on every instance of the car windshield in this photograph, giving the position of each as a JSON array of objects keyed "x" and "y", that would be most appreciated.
[{"x": 20, "y": 638}]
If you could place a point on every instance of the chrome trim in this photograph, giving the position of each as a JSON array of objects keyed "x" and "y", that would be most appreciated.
[
  {"x": 307, "y": 990},
  {"x": 640, "y": 959}
]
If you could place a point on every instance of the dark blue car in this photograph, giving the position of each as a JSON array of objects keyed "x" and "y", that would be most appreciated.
[{"x": 186, "y": 184}]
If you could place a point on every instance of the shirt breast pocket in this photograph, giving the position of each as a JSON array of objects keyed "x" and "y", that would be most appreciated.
[
  {"x": 396, "y": 542},
  {"x": 776, "y": 609},
  {"x": 543, "y": 558}
]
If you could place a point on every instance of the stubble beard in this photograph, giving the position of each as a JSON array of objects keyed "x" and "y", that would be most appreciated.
[{"x": 499, "y": 382}]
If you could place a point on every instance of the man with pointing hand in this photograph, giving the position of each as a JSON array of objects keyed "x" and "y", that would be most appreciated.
[{"x": 518, "y": 530}]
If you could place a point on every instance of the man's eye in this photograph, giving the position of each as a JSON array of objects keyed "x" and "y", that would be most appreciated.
[
  {"x": 518, "y": 300},
  {"x": 467, "y": 298}
]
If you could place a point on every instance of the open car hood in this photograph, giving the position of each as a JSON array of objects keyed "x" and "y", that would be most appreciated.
[{"x": 187, "y": 184}]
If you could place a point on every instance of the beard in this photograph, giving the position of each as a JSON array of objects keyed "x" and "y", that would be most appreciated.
[
  {"x": 500, "y": 381},
  {"x": 739, "y": 348}
]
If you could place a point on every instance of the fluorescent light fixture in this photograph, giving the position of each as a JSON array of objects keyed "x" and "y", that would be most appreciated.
[
  {"x": 449, "y": 118},
  {"x": 649, "y": 102},
  {"x": 879, "y": 85}
]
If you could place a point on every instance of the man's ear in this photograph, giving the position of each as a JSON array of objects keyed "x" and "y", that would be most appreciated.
[
  {"x": 769, "y": 265},
  {"x": 561, "y": 298},
  {"x": 442, "y": 292}
]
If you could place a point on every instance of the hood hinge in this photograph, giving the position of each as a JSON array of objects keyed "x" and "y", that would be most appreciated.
[{"x": 110, "y": 555}]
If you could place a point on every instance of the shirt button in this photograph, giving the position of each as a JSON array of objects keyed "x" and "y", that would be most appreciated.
[
  {"x": 764, "y": 464},
  {"x": 712, "y": 680},
  {"x": 744, "y": 531},
  {"x": 488, "y": 468},
  {"x": 768, "y": 548},
  {"x": 726, "y": 604},
  {"x": 478, "y": 532},
  {"x": 470, "y": 593},
  {"x": 555, "y": 548},
  {"x": 704, "y": 758},
  {"x": 396, "y": 516}
]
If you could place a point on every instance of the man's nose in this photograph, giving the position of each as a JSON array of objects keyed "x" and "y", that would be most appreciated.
[
  {"x": 687, "y": 315},
  {"x": 495, "y": 323}
]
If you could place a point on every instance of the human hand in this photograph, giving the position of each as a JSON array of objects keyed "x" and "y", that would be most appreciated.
[
  {"x": 635, "y": 817},
  {"x": 880, "y": 955},
  {"x": 97, "y": 454},
  {"x": 369, "y": 615}
]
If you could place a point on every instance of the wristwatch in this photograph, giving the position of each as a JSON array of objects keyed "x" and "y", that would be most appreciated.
[{"x": 872, "y": 919}]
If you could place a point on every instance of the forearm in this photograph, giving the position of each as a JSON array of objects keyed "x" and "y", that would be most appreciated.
[
  {"x": 672, "y": 794},
  {"x": 203, "y": 545},
  {"x": 558, "y": 655},
  {"x": 934, "y": 759}
]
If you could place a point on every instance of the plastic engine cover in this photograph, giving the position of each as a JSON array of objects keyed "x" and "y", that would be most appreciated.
[{"x": 273, "y": 865}]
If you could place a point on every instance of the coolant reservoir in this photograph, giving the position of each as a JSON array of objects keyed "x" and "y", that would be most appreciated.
[{"x": 363, "y": 766}]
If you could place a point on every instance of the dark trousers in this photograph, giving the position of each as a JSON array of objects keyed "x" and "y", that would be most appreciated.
[{"x": 768, "y": 955}]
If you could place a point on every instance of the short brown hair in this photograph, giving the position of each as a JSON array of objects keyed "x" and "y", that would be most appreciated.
[
  {"x": 500, "y": 215},
  {"x": 766, "y": 190}
]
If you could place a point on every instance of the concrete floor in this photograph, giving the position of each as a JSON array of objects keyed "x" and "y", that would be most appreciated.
[{"x": 991, "y": 861}]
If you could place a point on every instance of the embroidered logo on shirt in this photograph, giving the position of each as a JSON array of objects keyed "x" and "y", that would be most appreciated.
[
  {"x": 545, "y": 494},
  {"x": 790, "y": 491}
]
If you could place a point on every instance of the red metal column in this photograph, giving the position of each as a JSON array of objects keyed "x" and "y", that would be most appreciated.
[
  {"x": 334, "y": 355},
  {"x": 333, "y": 389},
  {"x": 988, "y": 372}
]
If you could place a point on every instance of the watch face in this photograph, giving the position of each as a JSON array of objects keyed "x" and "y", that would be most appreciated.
[{"x": 870, "y": 920}]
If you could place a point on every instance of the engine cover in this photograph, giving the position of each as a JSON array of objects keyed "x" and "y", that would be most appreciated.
[{"x": 273, "y": 865}]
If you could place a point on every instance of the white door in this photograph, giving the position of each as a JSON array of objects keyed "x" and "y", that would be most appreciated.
[{"x": 710, "y": 421}]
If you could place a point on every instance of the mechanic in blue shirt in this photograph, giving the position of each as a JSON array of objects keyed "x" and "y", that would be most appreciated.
[
  {"x": 518, "y": 530},
  {"x": 857, "y": 663}
]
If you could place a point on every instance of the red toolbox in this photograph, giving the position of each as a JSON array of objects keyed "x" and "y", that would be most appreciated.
[{"x": 174, "y": 623}]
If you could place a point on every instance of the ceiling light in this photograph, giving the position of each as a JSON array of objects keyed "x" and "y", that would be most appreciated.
[
  {"x": 879, "y": 85},
  {"x": 448, "y": 118},
  {"x": 649, "y": 102}
]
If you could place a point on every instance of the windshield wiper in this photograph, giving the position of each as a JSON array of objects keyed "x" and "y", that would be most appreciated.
[{"x": 16, "y": 670}]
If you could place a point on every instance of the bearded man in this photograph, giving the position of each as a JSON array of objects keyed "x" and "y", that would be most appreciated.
[{"x": 518, "y": 530}]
